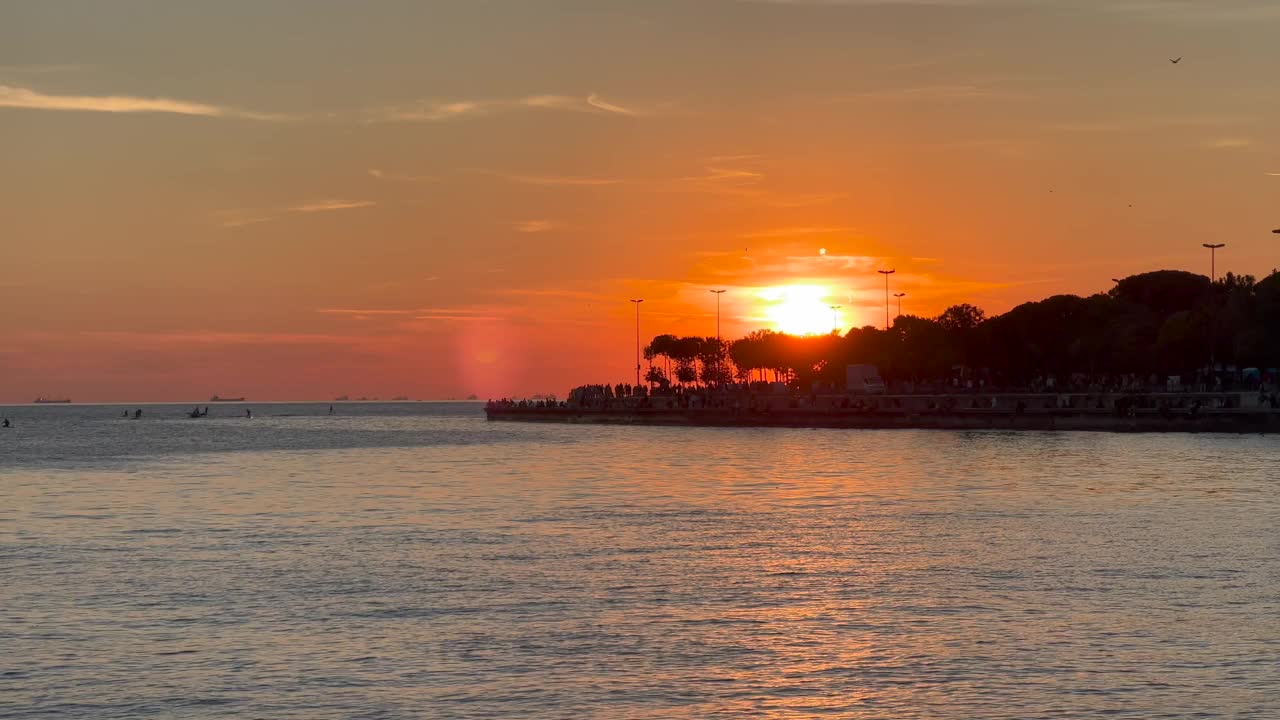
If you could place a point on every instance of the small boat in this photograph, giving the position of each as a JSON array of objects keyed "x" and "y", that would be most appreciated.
[
  {"x": 215, "y": 398},
  {"x": 42, "y": 400}
]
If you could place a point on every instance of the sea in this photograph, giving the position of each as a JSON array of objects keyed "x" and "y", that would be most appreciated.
[{"x": 411, "y": 560}]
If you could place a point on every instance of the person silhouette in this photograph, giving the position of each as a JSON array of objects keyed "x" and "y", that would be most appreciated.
[
  {"x": 330, "y": 409},
  {"x": 6, "y": 423},
  {"x": 248, "y": 413},
  {"x": 137, "y": 413}
]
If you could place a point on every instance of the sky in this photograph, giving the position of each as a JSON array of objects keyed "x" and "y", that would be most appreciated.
[{"x": 302, "y": 199}]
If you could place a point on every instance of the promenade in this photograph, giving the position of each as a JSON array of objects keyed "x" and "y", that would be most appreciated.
[{"x": 1233, "y": 412}]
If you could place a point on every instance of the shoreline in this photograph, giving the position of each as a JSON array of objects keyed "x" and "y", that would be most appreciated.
[{"x": 1135, "y": 414}]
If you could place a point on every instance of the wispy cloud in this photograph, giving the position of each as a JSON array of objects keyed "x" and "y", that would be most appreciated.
[
  {"x": 436, "y": 111},
  {"x": 798, "y": 231},
  {"x": 186, "y": 339},
  {"x": 349, "y": 311},
  {"x": 719, "y": 174},
  {"x": 27, "y": 99},
  {"x": 1273, "y": 174},
  {"x": 535, "y": 226},
  {"x": 566, "y": 180},
  {"x": 1146, "y": 124},
  {"x": 1228, "y": 143},
  {"x": 328, "y": 205},
  {"x": 243, "y": 221},
  {"x": 245, "y": 217},
  {"x": 377, "y": 174},
  {"x": 448, "y": 313},
  {"x": 598, "y": 103},
  {"x": 714, "y": 159},
  {"x": 926, "y": 93},
  {"x": 455, "y": 317}
]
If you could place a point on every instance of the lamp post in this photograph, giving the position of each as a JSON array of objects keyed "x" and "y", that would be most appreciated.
[
  {"x": 899, "y": 296},
  {"x": 835, "y": 318},
  {"x": 886, "y": 274},
  {"x": 719, "y": 347},
  {"x": 718, "y": 293},
  {"x": 1213, "y": 260},
  {"x": 637, "y": 302},
  {"x": 1213, "y": 278}
]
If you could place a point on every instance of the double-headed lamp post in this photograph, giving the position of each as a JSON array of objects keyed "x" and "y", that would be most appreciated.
[
  {"x": 835, "y": 318},
  {"x": 637, "y": 302},
  {"x": 1213, "y": 278},
  {"x": 719, "y": 347},
  {"x": 886, "y": 274},
  {"x": 899, "y": 296},
  {"x": 717, "y": 293},
  {"x": 1213, "y": 260}
]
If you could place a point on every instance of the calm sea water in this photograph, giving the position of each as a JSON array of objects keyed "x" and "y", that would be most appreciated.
[{"x": 414, "y": 561}]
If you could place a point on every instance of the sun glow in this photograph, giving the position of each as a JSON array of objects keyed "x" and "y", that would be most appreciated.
[{"x": 800, "y": 309}]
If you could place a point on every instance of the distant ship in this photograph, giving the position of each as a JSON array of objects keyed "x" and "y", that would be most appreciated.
[
  {"x": 42, "y": 400},
  {"x": 341, "y": 398},
  {"x": 400, "y": 398},
  {"x": 472, "y": 396},
  {"x": 215, "y": 398}
]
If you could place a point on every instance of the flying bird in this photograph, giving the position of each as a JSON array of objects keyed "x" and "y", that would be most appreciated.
[{"x": 1175, "y": 62}]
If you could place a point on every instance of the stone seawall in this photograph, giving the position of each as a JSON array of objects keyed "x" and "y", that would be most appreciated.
[{"x": 1248, "y": 420}]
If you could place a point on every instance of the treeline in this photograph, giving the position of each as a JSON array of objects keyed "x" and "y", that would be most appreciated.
[{"x": 1167, "y": 322}]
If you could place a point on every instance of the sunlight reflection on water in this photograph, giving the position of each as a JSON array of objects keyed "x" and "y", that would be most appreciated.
[{"x": 424, "y": 563}]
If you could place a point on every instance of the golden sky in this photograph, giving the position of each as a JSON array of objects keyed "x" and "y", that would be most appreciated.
[{"x": 302, "y": 199}]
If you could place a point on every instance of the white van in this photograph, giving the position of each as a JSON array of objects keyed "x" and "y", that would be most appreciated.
[{"x": 863, "y": 380}]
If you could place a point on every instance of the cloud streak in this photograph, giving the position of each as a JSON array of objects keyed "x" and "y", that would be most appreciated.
[
  {"x": 535, "y": 226},
  {"x": 558, "y": 180},
  {"x": 439, "y": 111},
  {"x": 27, "y": 99},
  {"x": 330, "y": 205},
  {"x": 245, "y": 217},
  {"x": 382, "y": 175},
  {"x": 1228, "y": 143}
]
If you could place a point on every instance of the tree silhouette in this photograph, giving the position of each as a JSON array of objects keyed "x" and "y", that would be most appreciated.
[{"x": 1158, "y": 323}]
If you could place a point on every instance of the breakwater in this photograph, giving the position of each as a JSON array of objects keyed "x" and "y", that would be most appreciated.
[{"x": 1218, "y": 412}]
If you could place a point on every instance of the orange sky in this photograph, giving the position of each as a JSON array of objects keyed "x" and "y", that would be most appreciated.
[{"x": 297, "y": 200}]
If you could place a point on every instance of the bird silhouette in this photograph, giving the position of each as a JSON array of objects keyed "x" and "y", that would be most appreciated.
[{"x": 1175, "y": 62}]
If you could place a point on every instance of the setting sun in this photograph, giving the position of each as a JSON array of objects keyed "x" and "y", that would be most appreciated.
[{"x": 800, "y": 309}]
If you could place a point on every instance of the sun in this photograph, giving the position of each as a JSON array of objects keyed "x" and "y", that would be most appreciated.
[{"x": 800, "y": 309}]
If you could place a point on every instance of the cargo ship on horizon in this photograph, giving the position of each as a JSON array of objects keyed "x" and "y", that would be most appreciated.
[
  {"x": 215, "y": 398},
  {"x": 42, "y": 400}
]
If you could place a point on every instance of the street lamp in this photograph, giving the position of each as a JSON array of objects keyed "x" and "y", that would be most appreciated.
[
  {"x": 899, "y": 296},
  {"x": 718, "y": 293},
  {"x": 719, "y": 347},
  {"x": 1213, "y": 278},
  {"x": 1213, "y": 260},
  {"x": 637, "y": 302},
  {"x": 886, "y": 274},
  {"x": 835, "y": 318}
]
